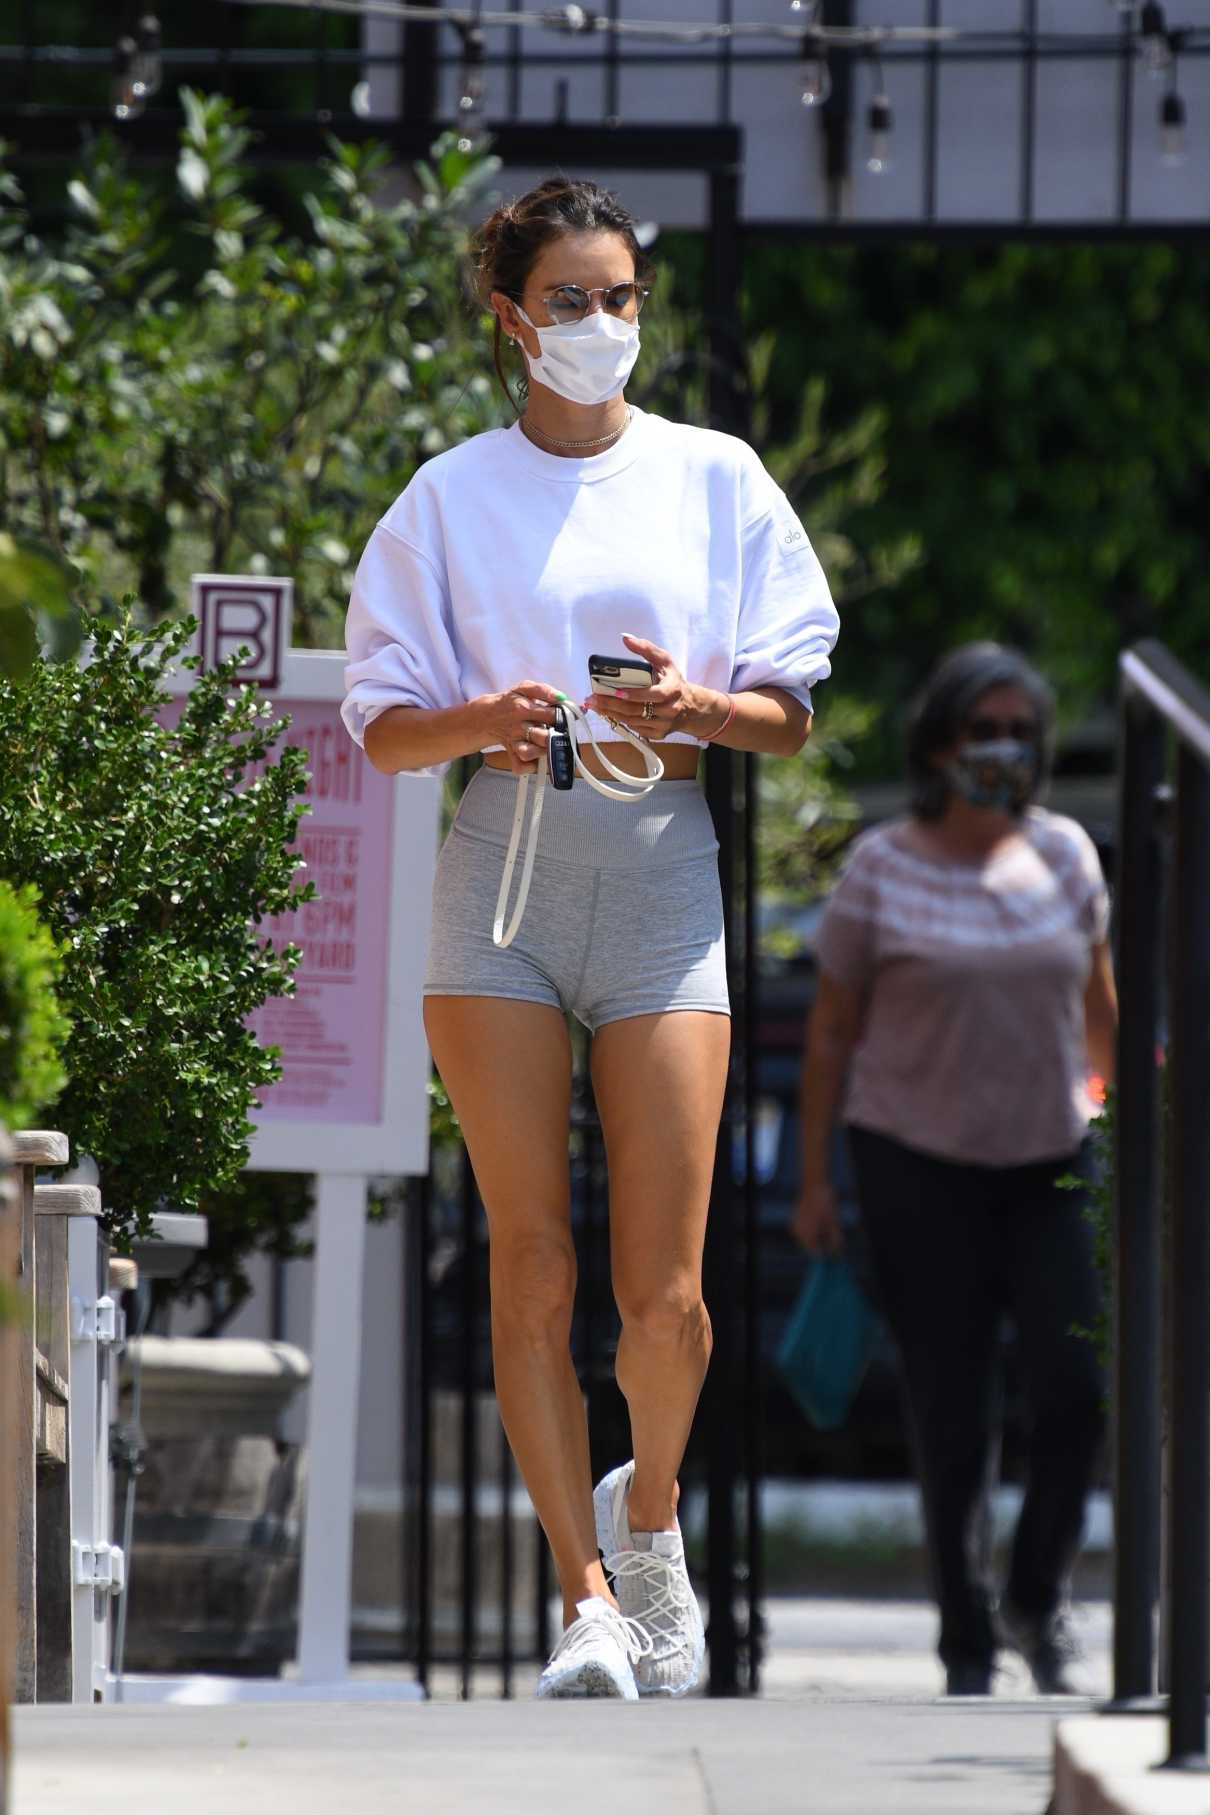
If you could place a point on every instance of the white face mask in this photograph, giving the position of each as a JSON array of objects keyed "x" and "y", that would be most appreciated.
[{"x": 585, "y": 361}]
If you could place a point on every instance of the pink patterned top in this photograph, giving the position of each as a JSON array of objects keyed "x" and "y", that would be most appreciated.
[{"x": 972, "y": 1046}]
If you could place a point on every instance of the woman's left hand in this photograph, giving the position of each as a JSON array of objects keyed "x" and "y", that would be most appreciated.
[{"x": 671, "y": 704}]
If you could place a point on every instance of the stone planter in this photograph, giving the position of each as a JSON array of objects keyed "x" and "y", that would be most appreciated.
[{"x": 214, "y": 1568}]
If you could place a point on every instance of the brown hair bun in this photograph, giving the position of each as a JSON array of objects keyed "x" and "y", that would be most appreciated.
[{"x": 507, "y": 246}]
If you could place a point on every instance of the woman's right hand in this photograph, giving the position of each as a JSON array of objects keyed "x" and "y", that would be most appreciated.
[
  {"x": 816, "y": 1220},
  {"x": 518, "y": 719}
]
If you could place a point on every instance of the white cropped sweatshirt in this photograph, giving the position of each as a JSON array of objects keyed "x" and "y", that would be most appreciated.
[{"x": 500, "y": 563}]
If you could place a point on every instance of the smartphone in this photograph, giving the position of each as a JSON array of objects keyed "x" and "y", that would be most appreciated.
[{"x": 606, "y": 671}]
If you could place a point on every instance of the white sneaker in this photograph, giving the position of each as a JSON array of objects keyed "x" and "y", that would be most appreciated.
[
  {"x": 653, "y": 1589},
  {"x": 595, "y": 1656}
]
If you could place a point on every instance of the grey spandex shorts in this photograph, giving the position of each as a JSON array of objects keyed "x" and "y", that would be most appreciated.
[{"x": 625, "y": 915}]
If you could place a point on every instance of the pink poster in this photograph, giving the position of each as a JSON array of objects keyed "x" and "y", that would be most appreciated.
[{"x": 332, "y": 1030}]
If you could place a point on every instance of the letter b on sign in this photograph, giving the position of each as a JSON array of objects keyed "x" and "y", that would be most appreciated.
[{"x": 250, "y": 612}]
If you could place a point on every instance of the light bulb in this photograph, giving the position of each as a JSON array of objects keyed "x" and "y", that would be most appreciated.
[
  {"x": 147, "y": 69},
  {"x": 1172, "y": 129},
  {"x": 816, "y": 81},
  {"x": 880, "y": 121},
  {"x": 1153, "y": 29},
  {"x": 125, "y": 94}
]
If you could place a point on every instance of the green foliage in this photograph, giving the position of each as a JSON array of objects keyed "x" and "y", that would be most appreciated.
[
  {"x": 157, "y": 847},
  {"x": 259, "y": 1212},
  {"x": 806, "y": 815},
  {"x": 1044, "y": 439},
  {"x": 254, "y": 415},
  {"x": 1099, "y": 1193},
  {"x": 36, "y": 607},
  {"x": 33, "y": 1027}
]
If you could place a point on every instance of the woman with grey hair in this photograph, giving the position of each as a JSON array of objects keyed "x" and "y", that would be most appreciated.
[{"x": 965, "y": 1001}]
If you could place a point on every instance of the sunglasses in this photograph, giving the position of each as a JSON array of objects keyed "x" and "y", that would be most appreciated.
[
  {"x": 984, "y": 730},
  {"x": 569, "y": 302}
]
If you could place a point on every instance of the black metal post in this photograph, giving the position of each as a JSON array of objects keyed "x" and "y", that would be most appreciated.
[
  {"x": 470, "y": 1428},
  {"x": 721, "y": 1401},
  {"x": 506, "y": 1567},
  {"x": 753, "y": 1460},
  {"x": 1189, "y": 1067},
  {"x": 1029, "y": 108},
  {"x": 542, "y": 1629},
  {"x": 424, "y": 1431},
  {"x": 419, "y": 69},
  {"x": 1137, "y": 1244}
]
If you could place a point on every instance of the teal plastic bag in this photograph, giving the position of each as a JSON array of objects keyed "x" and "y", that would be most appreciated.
[{"x": 827, "y": 1344}]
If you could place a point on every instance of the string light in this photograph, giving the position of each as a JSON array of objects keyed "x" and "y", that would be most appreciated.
[
  {"x": 147, "y": 71},
  {"x": 816, "y": 74},
  {"x": 1172, "y": 111},
  {"x": 880, "y": 120},
  {"x": 470, "y": 101},
  {"x": 1157, "y": 47},
  {"x": 137, "y": 66},
  {"x": 1172, "y": 129},
  {"x": 125, "y": 96},
  {"x": 576, "y": 19},
  {"x": 571, "y": 19}
]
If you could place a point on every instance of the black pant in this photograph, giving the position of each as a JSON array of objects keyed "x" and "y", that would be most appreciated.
[{"x": 953, "y": 1249}]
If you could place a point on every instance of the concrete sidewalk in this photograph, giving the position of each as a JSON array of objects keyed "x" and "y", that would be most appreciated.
[
  {"x": 850, "y": 1724},
  {"x": 527, "y": 1758}
]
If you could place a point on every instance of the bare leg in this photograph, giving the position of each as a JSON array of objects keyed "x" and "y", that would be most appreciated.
[
  {"x": 507, "y": 1067},
  {"x": 659, "y": 1083}
]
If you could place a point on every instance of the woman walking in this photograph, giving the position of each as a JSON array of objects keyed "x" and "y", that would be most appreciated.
[
  {"x": 965, "y": 997},
  {"x": 587, "y": 528}
]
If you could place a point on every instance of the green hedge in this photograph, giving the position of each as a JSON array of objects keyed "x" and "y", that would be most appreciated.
[{"x": 33, "y": 1026}]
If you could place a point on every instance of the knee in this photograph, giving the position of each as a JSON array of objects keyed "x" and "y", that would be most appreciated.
[
  {"x": 533, "y": 1281},
  {"x": 672, "y": 1315}
]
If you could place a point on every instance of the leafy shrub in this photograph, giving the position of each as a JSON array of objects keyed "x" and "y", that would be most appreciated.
[
  {"x": 33, "y": 1027},
  {"x": 157, "y": 848},
  {"x": 188, "y": 383}
]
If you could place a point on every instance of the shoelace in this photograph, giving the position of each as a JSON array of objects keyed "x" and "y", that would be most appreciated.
[
  {"x": 633, "y": 789},
  {"x": 582, "y": 1635},
  {"x": 668, "y": 1588}
]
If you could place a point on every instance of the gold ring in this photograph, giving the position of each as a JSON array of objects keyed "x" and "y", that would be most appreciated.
[{"x": 648, "y": 709}]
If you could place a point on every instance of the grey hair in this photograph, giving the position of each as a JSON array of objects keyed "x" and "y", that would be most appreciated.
[{"x": 955, "y": 686}]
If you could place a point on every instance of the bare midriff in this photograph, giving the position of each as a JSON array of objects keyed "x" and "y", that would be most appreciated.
[{"x": 680, "y": 760}]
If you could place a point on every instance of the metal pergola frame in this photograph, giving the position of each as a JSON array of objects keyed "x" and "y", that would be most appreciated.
[{"x": 422, "y": 56}]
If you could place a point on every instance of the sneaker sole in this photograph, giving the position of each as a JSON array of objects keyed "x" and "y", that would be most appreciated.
[
  {"x": 605, "y": 1518},
  {"x": 585, "y": 1682}
]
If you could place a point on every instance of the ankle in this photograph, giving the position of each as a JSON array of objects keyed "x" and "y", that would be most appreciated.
[
  {"x": 591, "y": 1584},
  {"x": 651, "y": 1512}
]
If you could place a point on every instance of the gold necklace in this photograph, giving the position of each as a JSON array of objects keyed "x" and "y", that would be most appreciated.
[{"x": 614, "y": 434}]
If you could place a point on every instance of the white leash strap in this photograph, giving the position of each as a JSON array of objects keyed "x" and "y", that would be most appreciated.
[
  {"x": 632, "y": 789},
  {"x": 499, "y": 936}
]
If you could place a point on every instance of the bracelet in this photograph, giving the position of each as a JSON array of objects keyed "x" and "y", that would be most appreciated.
[{"x": 711, "y": 735}]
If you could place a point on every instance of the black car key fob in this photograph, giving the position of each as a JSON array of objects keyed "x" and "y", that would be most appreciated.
[{"x": 560, "y": 765}]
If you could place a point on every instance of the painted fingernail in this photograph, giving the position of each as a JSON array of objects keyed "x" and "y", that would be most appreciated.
[
  {"x": 559, "y": 696},
  {"x": 619, "y": 693}
]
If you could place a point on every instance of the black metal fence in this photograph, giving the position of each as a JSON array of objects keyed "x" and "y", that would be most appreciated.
[{"x": 1163, "y": 1129}]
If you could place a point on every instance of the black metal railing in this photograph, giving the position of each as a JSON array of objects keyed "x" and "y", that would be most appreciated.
[{"x": 1164, "y": 1047}]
